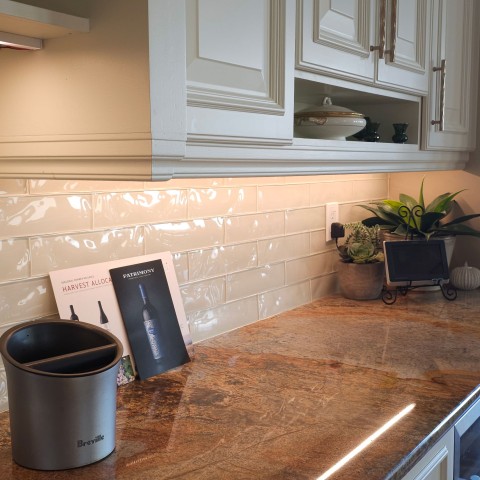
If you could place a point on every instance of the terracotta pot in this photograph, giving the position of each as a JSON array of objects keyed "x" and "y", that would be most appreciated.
[{"x": 361, "y": 281}]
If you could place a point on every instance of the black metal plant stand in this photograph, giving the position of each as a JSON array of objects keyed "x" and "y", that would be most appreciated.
[{"x": 389, "y": 296}]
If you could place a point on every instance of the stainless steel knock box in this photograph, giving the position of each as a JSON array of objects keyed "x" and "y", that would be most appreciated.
[{"x": 61, "y": 380}]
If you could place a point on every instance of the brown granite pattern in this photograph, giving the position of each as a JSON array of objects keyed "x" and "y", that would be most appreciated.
[{"x": 288, "y": 397}]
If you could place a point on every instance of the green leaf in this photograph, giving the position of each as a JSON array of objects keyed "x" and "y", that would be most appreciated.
[
  {"x": 463, "y": 218},
  {"x": 421, "y": 199},
  {"x": 428, "y": 221},
  {"x": 409, "y": 201},
  {"x": 457, "y": 229},
  {"x": 442, "y": 203}
]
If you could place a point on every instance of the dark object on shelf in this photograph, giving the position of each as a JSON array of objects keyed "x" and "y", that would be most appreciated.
[
  {"x": 361, "y": 134},
  {"x": 400, "y": 135},
  {"x": 62, "y": 387},
  {"x": 371, "y": 132}
]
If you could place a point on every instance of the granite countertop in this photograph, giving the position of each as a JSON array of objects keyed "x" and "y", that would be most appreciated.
[{"x": 288, "y": 397}]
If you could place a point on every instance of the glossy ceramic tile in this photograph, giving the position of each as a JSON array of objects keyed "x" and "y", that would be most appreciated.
[
  {"x": 253, "y": 227},
  {"x": 181, "y": 236},
  {"x": 282, "y": 197},
  {"x": 351, "y": 212},
  {"x": 221, "y": 260},
  {"x": 221, "y": 201},
  {"x": 203, "y": 295},
  {"x": 283, "y": 248},
  {"x": 13, "y": 187},
  {"x": 40, "y": 186},
  {"x": 65, "y": 251},
  {"x": 232, "y": 315},
  {"x": 26, "y": 300},
  {"x": 257, "y": 241},
  {"x": 323, "y": 286},
  {"x": 180, "y": 262},
  {"x": 133, "y": 208},
  {"x": 304, "y": 220},
  {"x": 318, "y": 242},
  {"x": 329, "y": 191},
  {"x": 283, "y": 299},
  {"x": 372, "y": 189},
  {"x": 185, "y": 183},
  {"x": 250, "y": 282},
  {"x": 309, "y": 267},
  {"x": 14, "y": 259},
  {"x": 26, "y": 216}
]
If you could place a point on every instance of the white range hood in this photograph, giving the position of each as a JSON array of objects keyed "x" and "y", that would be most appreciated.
[{"x": 25, "y": 27}]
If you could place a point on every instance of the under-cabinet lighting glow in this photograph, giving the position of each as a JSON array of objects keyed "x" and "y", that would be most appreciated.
[
  {"x": 366, "y": 442},
  {"x": 11, "y": 40}
]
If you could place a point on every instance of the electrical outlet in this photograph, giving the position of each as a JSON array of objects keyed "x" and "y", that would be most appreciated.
[{"x": 331, "y": 216}]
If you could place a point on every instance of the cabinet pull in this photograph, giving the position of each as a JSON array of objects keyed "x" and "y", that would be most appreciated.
[
  {"x": 393, "y": 31},
  {"x": 381, "y": 46},
  {"x": 442, "y": 70}
]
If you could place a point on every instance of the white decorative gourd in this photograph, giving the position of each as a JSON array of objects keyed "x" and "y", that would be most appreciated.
[{"x": 465, "y": 278}]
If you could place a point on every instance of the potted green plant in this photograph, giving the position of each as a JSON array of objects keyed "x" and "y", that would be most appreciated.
[
  {"x": 361, "y": 266},
  {"x": 410, "y": 217}
]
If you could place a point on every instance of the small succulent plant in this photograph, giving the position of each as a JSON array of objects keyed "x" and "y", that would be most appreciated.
[{"x": 362, "y": 244}]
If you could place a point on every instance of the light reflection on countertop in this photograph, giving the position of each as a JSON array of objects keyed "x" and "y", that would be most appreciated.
[{"x": 335, "y": 389}]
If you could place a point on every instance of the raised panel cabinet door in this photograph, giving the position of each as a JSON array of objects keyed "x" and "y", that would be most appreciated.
[
  {"x": 239, "y": 64},
  {"x": 451, "y": 105},
  {"x": 407, "y": 30},
  {"x": 437, "y": 464},
  {"x": 334, "y": 38}
]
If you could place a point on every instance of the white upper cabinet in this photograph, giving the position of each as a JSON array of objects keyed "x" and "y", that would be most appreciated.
[
  {"x": 240, "y": 71},
  {"x": 158, "y": 89},
  {"x": 334, "y": 37},
  {"x": 450, "y": 110},
  {"x": 376, "y": 42},
  {"x": 407, "y": 36}
]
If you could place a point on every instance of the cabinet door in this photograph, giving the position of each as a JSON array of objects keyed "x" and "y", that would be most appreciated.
[
  {"x": 407, "y": 28},
  {"x": 437, "y": 464},
  {"x": 451, "y": 104},
  {"x": 334, "y": 38},
  {"x": 240, "y": 71}
]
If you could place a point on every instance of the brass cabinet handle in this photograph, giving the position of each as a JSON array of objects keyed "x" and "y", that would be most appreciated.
[
  {"x": 393, "y": 31},
  {"x": 442, "y": 70},
  {"x": 381, "y": 46}
]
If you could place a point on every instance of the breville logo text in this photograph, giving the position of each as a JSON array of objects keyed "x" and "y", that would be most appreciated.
[{"x": 98, "y": 438}]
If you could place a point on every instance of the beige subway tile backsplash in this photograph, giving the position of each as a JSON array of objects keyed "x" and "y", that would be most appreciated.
[
  {"x": 221, "y": 201},
  {"x": 207, "y": 323},
  {"x": 13, "y": 187},
  {"x": 204, "y": 294},
  {"x": 334, "y": 191},
  {"x": 15, "y": 255},
  {"x": 64, "y": 251},
  {"x": 282, "y": 197},
  {"x": 26, "y": 300},
  {"x": 304, "y": 220},
  {"x": 243, "y": 248},
  {"x": 253, "y": 227},
  {"x": 25, "y": 216},
  {"x": 251, "y": 282},
  {"x": 133, "y": 208},
  {"x": 283, "y": 299},
  {"x": 181, "y": 236},
  {"x": 221, "y": 260},
  {"x": 283, "y": 248}
]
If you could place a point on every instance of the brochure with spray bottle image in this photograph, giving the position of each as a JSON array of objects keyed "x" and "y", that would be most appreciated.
[
  {"x": 150, "y": 318},
  {"x": 86, "y": 294}
]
